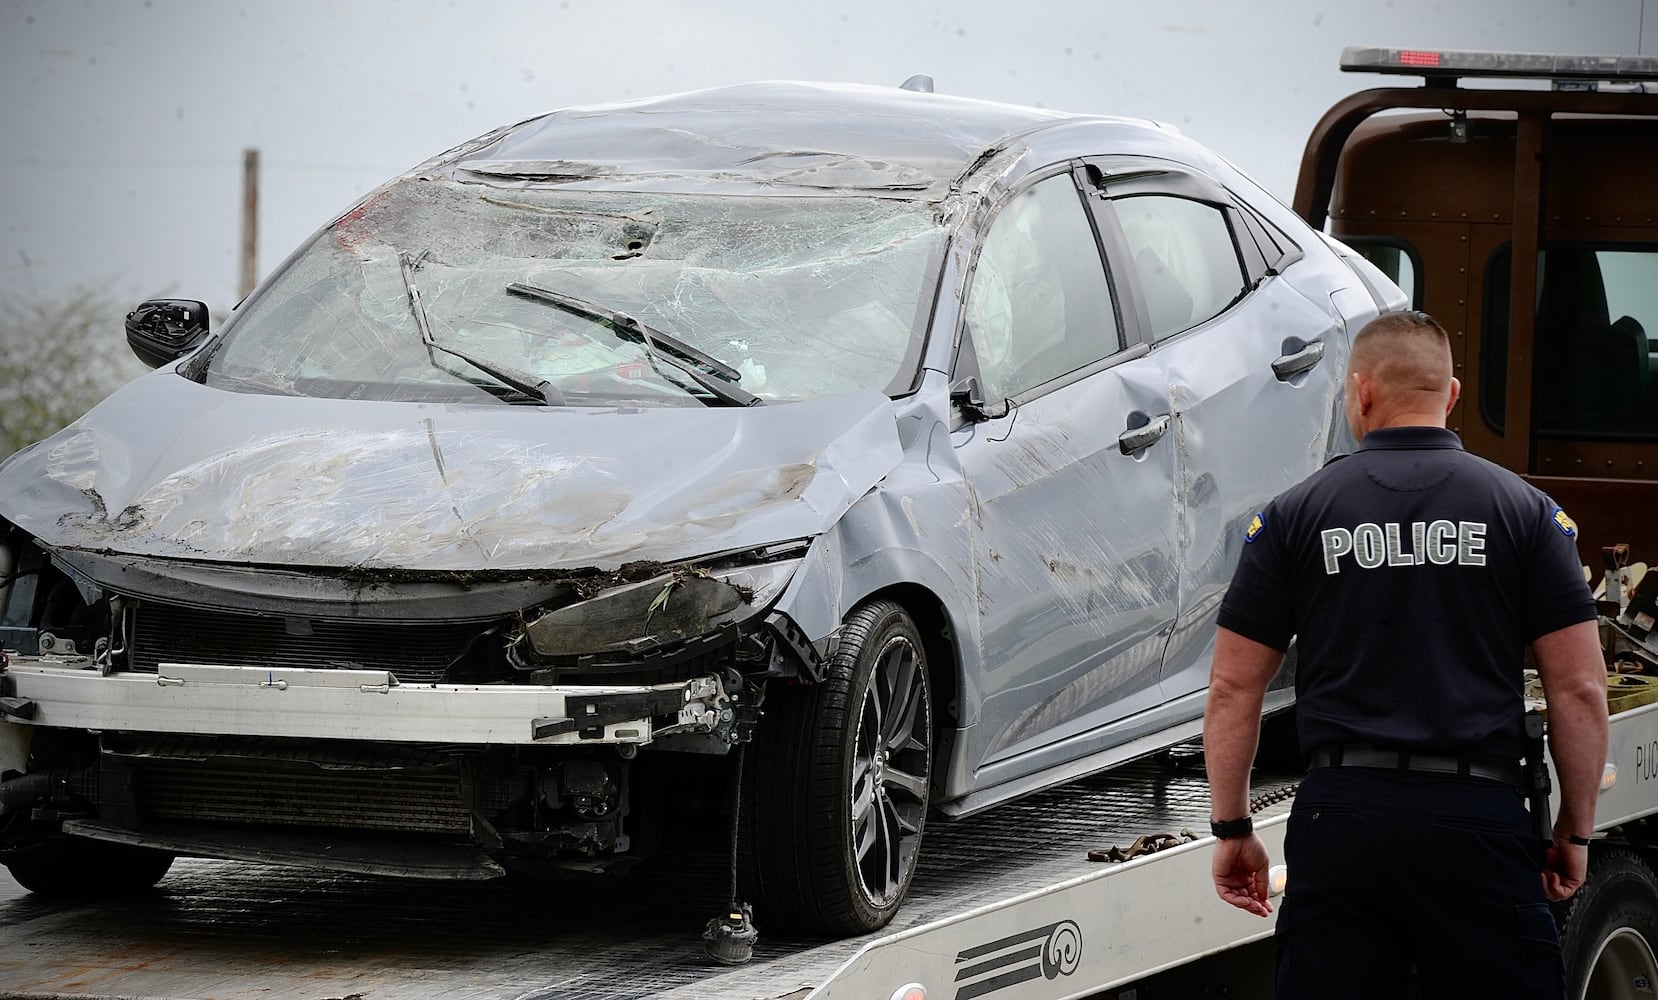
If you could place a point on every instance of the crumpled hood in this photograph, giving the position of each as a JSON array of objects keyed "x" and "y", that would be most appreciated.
[{"x": 169, "y": 468}]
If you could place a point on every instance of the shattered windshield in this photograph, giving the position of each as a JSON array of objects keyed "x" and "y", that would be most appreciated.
[{"x": 800, "y": 297}]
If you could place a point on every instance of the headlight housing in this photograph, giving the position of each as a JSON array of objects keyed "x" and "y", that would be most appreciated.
[{"x": 655, "y": 629}]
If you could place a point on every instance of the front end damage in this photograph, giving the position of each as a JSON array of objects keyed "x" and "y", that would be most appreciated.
[
  {"x": 425, "y": 641},
  {"x": 341, "y": 720}
]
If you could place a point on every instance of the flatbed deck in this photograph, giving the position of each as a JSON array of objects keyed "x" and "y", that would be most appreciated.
[{"x": 233, "y": 930}]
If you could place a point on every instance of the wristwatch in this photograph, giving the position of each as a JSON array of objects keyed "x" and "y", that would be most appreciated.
[{"x": 1227, "y": 829}]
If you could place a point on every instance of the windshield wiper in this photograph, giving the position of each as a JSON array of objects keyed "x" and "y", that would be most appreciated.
[
  {"x": 658, "y": 346},
  {"x": 529, "y": 385}
]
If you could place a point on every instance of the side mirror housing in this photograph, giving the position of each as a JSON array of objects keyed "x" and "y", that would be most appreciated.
[
  {"x": 163, "y": 330},
  {"x": 968, "y": 393}
]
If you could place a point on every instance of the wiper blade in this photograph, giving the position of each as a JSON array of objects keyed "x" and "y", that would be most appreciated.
[
  {"x": 658, "y": 345},
  {"x": 629, "y": 325},
  {"x": 529, "y": 385}
]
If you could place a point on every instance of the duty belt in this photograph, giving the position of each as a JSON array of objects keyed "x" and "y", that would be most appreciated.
[{"x": 1462, "y": 765}]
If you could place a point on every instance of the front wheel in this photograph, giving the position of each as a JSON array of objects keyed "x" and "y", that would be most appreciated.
[
  {"x": 838, "y": 781},
  {"x": 1610, "y": 929}
]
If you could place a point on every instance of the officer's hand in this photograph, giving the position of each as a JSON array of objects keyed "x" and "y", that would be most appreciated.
[
  {"x": 1240, "y": 870},
  {"x": 1564, "y": 868}
]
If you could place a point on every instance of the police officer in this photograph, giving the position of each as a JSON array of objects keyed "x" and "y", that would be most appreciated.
[{"x": 1412, "y": 576}]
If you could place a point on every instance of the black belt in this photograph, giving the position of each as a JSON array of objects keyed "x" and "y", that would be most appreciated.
[{"x": 1464, "y": 765}]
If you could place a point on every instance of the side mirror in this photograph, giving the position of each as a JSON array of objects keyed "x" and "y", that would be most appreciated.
[
  {"x": 968, "y": 394},
  {"x": 163, "y": 330}
]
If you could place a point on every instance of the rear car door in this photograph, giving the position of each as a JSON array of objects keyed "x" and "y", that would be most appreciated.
[{"x": 1253, "y": 368}]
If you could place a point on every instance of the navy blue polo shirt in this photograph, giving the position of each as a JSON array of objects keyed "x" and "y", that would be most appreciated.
[{"x": 1412, "y": 575}]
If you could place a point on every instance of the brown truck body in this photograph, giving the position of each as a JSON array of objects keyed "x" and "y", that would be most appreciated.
[{"x": 1526, "y": 221}]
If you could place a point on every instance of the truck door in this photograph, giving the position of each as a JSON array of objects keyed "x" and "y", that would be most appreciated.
[{"x": 1597, "y": 311}]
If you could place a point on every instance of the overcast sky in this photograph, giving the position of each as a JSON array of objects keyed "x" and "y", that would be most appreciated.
[{"x": 125, "y": 121}]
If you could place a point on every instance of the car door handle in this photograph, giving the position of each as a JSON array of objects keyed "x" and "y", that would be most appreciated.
[
  {"x": 1306, "y": 359},
  {"x": 1137, "y": 439}
]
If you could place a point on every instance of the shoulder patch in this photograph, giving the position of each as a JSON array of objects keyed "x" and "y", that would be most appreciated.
[
  {"x": 1257, "y": 524},
  {"x": 1567, "y": 526}
]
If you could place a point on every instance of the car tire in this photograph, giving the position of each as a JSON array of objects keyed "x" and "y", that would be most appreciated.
[
  {"x": 838, "y": 782},
  {"x": 81, "y": 868},
  {"x": 1609, "y": 930}
]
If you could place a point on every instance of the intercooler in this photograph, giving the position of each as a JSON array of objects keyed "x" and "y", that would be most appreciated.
[
  {"x": 416, "y": 653},
  {"x": 276, "y": 784}
]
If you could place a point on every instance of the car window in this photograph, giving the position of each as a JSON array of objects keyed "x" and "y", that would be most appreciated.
[
  {"x": 1040, "y": 305},
  {"x": 1394, "y": 258},
  {"x": 1183, "y": 253},
  {"x": 1596, "y": 352}
]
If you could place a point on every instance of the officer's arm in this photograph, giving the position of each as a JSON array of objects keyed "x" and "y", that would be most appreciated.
[
  {"x": 1574, "y": 684},
  {"x": 1232, "y": 718}
]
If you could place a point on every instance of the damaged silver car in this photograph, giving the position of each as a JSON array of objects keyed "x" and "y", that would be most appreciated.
[{"x": 822, "y": 460}]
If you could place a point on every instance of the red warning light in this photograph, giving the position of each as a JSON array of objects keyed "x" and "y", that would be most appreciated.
[{"x": 1412, "y": 57}]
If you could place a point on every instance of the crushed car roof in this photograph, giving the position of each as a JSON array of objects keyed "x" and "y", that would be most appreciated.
[{"x": 798, "y": 135}]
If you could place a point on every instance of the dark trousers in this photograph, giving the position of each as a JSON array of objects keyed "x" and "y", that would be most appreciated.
[{"x": 1392, "y": 871}]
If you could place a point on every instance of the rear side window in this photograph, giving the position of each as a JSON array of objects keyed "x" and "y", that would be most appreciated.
[
  {"x": 1596, "y": 360},
  {"x": 1185, "y": 257},
  {"x": 1394, "y": 258}
]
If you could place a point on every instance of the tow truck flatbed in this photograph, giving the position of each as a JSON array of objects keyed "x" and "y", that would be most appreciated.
[{"x": 1006, "y": 904}]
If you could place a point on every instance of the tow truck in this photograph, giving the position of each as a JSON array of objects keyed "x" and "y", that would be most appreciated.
[{"x": 1523, "y": 219}]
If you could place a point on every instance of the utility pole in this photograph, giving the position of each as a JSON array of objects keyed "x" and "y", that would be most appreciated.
[{"x": 250, "y": 221}]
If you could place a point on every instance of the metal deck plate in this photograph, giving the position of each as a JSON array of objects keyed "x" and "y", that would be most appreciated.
[{"x": 232, "y": 930}]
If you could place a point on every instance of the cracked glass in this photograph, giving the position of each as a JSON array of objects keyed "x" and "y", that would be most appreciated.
[
  {"x": 804, "y": 296},
  {"x": 1040, "y": 304}
]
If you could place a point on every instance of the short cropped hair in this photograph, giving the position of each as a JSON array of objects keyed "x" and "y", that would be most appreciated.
[
  {"x": 1413, "y": 321},
  {"x": 1404, "y": 350}
]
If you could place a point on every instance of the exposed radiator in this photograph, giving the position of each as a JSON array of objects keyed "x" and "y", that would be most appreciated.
[
  {"x": 247, "y": 783},
  {"x": 431, "y": 804},
  {"x": 416, "y": 653}
]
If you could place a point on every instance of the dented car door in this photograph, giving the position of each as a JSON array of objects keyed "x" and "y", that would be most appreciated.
[
  {"x": 1072, "y": 491},
  {"x": 1254, "y": 368}
]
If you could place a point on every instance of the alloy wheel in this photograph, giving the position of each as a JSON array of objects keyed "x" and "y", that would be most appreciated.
[{"x": 890, "y": 763}]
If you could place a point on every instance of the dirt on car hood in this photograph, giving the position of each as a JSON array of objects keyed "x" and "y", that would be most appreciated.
[{"x": 171, "y": 469}]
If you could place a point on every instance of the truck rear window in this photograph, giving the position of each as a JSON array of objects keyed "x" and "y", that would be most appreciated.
[{"x": 1596, "y": 359}]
